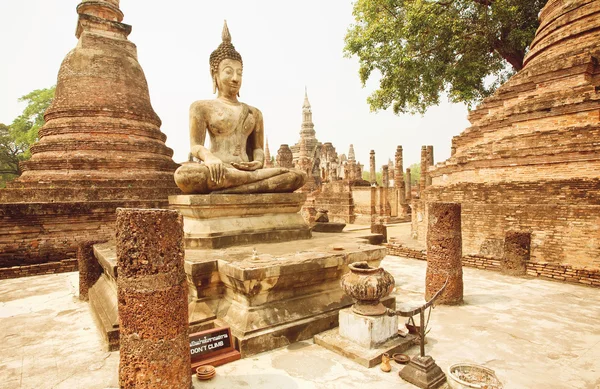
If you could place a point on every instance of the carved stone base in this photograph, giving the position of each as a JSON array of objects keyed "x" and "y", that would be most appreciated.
[
  {"x": 223, "y": 220},
  {"x": 423, "y": 372},
  {"x": 367, "y": 357},
  {"x": 368, "y": 331},
  {"x": 270, "y": 295}
]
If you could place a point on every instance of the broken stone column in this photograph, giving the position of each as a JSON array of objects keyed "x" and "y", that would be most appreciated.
[
  {"x": 399, "y": 176},
  {"x": 285, "y": 158},
  {"x": 424, "y": 166},
  {"x": 517, "y": 247},
  {"x": 89, "y": 268},
  {"x": 444, "y": 253},
  {"x": 373, "y": 205},
  {"x": 380, "y": 229},
  {"x": 408, "y": 185},
  {"x": 372, "y": 173},
  {"x": 152, "y": 298},
  {"x": 429, "y": 163},
  {"x": 385, "y": 176}
]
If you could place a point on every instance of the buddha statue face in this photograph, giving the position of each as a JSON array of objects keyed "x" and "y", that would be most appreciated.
[{"x": 229, "y": 77}]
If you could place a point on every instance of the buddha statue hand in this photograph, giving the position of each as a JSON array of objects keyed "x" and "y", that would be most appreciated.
[
  {"x": 248, "y": 166},
  {"x": 216, "y": 168}
]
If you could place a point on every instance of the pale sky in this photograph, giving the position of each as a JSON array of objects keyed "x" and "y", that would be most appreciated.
[{"x": 285, "y": 45}]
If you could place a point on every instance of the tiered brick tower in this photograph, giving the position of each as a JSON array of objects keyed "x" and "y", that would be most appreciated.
[
  {"x": 101, "y": 148},
  {"x": 530, "y": 161},
  {"x": 307, "y": 132}
]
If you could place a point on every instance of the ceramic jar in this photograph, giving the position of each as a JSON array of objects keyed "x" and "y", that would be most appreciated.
[{"x": 367, "y": 285}]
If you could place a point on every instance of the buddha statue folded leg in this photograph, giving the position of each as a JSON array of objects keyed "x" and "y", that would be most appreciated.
[{"x": 194, "y": 178}]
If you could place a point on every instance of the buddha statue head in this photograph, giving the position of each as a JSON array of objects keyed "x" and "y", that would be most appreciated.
[{"x": 226, "y": 66}]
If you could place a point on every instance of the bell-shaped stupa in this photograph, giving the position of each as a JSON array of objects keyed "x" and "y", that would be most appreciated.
[
  {"x": 530, "y": 160},
  {"x": 101, "y": 148}
]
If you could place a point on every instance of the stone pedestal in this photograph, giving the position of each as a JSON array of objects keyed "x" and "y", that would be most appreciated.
[
  {"x": 367, "y": 331},
  {"x": 269, "y": 294},
  {"x": 364, "y": 339},
  {"x": 152, "y": 298},
  {"x": 423, "y": 372},
  {"x": 222, "y": 220},
  {"x": 444, "y": 253},
  {"x": 517, "y": 247}
]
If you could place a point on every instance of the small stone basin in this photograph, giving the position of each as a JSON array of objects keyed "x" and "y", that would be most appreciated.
[{"x": 468, "y": 376}]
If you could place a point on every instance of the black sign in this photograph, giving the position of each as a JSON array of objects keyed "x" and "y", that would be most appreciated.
[{"x": 208, "y": 343}]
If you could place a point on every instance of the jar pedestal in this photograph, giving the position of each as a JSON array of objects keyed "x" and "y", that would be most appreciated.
[
  {"x": 362, "y": 344},
  {"x": 367, "y": 331}
]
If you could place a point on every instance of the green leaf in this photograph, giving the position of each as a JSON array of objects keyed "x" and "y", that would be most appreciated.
[{"x": 425, "y": 48}]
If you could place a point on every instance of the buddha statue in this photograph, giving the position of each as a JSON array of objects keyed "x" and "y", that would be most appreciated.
[{"x": 235, "y": 161}]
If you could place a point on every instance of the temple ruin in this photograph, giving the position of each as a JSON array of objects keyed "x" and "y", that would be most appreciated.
[{"x": 529, "y": 162}]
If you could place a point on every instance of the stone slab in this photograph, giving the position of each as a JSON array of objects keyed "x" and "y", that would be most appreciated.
[
  {"x": 329, "y": 227},
  {"x": 224, "y": 220},
  {"x": 367, "y": 331},
  {"x": 368, "y": 357}
]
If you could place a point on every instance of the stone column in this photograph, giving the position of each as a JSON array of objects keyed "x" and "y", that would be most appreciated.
[
  {"x": 373, "y": 205},
  {"x": 424, "y": 166},
  {"x": 385, "y": 204},
  {"x": 372, "y": 173},
  {"x": 429, "y": 163},
  {"x": 385, "y": 176},
  {"x": 285, "y": 158},
  {"x": 402, "y": 205},
  {"x": 89, "y": 268},
  {"x": 444, "y": 253},
  {"x": 399, "y": 176},
  {"x": 408, "y": 185},
  {"x": 153, "y": 302},
  {"x": 517, "y": 246}
]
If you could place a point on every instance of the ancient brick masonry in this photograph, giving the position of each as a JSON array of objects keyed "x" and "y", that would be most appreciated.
[
  {"x": 531, "y": 159},
  {"x": 549, "y": 271},
  {"x": 101, "y": 148},
  {"x": 517, "y": 246},
  {"x": 444, "y": 253},
  {"x": 153, "y": 300}
]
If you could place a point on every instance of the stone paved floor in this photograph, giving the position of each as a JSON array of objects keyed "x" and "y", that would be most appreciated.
[{"x": 533, "y": 333}]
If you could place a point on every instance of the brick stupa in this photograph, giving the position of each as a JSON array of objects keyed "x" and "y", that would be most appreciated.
[
  {"x": 530, "y": 161},
  {"x": 101, "y": 148}
]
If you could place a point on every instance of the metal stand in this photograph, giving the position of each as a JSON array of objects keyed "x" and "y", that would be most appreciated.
[{"x": 422, "y": 370}]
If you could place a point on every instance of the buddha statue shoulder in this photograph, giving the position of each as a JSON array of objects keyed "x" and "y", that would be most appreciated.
[{"x": 235, "y": 161}]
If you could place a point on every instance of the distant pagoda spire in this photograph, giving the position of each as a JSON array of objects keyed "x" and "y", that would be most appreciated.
[
  {"x": 308, "y": 128},
  {"x": 351, "y": 155},
  {"x": 267, "y": 154}
]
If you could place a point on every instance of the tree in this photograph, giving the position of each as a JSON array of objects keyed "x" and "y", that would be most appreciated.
[
  {"x": 415, "y": 173},
  {"x": 424, "y": 48},
  {"x": 378, "y": 177},
  {"x": 17, "y": 138}
]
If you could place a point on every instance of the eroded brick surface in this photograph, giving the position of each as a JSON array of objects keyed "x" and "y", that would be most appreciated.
[
  {"x": 444, "y": 253},
  {"x": 516, "y": 252},
  {"x": 152, "y": 299}
]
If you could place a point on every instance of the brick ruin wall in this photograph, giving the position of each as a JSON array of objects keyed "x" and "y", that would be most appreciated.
[
  {"x": 42, "y": 238},
  {"x": 530, "y": 160},
  {"x": 549, "y": 271},
  {"x": 563, "y": 218}
]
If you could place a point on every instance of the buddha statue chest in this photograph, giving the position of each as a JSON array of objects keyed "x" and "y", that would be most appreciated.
[{"x": 230, "y": 120}]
